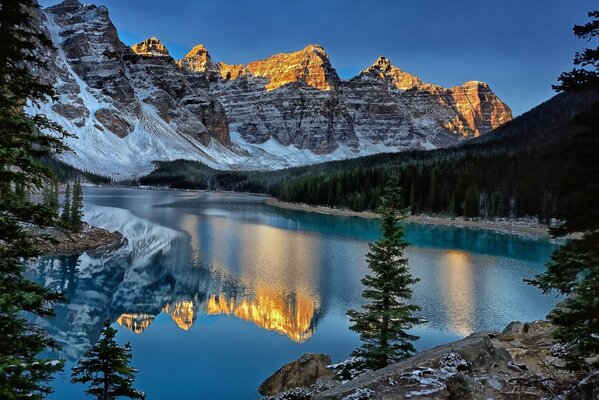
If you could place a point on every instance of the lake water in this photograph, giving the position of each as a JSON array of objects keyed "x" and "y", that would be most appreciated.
[{"x": 217, "y": 291}]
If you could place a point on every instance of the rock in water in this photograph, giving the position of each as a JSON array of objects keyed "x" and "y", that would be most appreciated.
[{"x": 302, "y": 372}]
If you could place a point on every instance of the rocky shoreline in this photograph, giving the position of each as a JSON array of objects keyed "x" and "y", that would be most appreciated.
[
  {"x": 59, "y": 241},
  {"x": 526, "y": 227},
  {"x": 519, "y": 363}
]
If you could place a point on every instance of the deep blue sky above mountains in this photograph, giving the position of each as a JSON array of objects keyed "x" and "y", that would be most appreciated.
[{"x": 518, "y": 47}]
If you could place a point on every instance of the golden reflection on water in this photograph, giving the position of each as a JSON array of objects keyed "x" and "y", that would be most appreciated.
[
  {"x": 273, "y": 269},
  {"x": 182, "y": 313},
  {"x": 291, "y": 316},
  {"x": 135, "y": 322},
  {"x": 457, "y": 282}
]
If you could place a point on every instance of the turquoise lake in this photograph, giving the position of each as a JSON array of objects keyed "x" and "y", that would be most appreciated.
[{"x": 217, "y": 291}]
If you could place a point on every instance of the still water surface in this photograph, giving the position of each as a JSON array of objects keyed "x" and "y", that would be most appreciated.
[{"x": 216, "y": 291}]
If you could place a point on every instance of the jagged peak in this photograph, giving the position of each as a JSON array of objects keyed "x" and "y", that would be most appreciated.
[
  {"x": 315, "y": 48},
  {"x": 384, "y": 69},
  {"x": 151, "y": 47},
  {"x": 310, "y": 65},
  {"x": 66, "y": 6},
  {"x": 70, "y": 3},
  {"x": 382, "y": 63},
  {"x": 475, "y": 84},
  {"x": 198, "y": 60},
  {"x": 198, "y": 49}
]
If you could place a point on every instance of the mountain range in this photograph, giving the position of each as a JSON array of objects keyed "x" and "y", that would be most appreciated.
[{"x": 131, "y": 106}]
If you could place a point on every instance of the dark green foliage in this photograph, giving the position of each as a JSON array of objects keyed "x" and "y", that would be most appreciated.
[
  {"x": 23, "y": 374},
  {"x": 65, "y": 173},
  {"x": 50, "y": 197},
  {"x": 471, "y": 202},
  {"x": 385, "y": 319},
  {"x": 106, "y": 368},
  {"x": 587, "y": 76},
  {"x": 574, "y": 267},
  {"x": 65, "y": 216},
  {"x": 76, "y": 213}
]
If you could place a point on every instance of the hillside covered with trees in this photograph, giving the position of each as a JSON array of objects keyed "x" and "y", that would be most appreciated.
[{"x": 513, "y": 171}]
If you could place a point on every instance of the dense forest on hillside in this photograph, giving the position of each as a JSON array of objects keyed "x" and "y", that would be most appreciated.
[{"x": 512, "y": 171}]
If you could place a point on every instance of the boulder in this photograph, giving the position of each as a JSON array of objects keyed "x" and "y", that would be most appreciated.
[
  {"x": 303, "y": 372},
  {"x": 463, "y": 387}
]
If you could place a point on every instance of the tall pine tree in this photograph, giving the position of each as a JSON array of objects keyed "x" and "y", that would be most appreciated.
[
  {"x": 65, "y": 217},
  {"x": 574, "y": 267},
  {"x": 23, "y": 374},
  {"x": 76, "y": 213},
  {"x": 106, "y": 368},
  {"x": 386, "y": 317}
]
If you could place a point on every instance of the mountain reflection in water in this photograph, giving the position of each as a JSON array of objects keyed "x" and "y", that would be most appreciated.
[
  {"x": 157, "y": 271},
  {"x": 213, "y": 284}
]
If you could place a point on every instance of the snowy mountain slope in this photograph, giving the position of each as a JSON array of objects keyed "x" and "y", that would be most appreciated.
[{"x": 129, "y": 107}]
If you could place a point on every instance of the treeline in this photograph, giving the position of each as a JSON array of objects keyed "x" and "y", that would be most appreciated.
[
  {"x": 510, "y": 172},
  {"x": 70, "y": 215}
]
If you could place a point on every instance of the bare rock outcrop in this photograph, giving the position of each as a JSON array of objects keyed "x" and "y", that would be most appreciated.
[
  {"x": 517, "y": 362},
  {"x": 303, "y": 372},
  {"x": 298, "y": 100},
  {"x": 150, "y": 47}
]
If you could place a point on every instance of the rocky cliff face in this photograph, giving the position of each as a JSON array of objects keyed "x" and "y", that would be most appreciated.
[
  {"x": 298, "y": 100},
  {"x": 131, "y": 106},
  {"x": 127, "y": 106}
]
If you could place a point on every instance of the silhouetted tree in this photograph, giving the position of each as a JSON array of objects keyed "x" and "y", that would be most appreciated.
[
  {"x": 386, "y": 317},
  {"x": 23, "y": 373},
  {"x": 574, "y": 267},
  {"x": 106, "y": 368}
]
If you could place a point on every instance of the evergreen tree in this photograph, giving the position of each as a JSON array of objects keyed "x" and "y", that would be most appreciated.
[
  {"x": 385, "y": 319},
  {"x": 50, "y": 197},
  {"x": 106, "y": 368},
  {"x": 65, "y": 217},
  {"x": 76, "y": 213},
  {"x": 23, "y": 373},
  {"x": 471, "y": 205},
  {"x": 574, "y": 267}
]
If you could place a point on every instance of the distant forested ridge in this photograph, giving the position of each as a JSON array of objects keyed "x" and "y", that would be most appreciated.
[{"x": 513, "y": 171}]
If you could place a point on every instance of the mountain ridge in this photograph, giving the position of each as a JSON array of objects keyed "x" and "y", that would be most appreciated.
[{"x": 130, "y": 106}]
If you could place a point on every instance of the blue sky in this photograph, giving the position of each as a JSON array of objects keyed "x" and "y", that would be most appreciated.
[{"x": 518, "y": 47}]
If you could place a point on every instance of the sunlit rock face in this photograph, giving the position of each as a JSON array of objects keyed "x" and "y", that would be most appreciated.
[
  {"x": 383, "y": 69},
  {"x": 198, "y": 60},
  {"x": 150, "y": 47},
  {"x": 292, "y": 316},
  {"x": 129, "y": 106},
  {"x": 298, "y": 100},
  {"x": 480, "y": 107},
  {"x": 414, "y": 114},
  {"x": 310, "y": 65},
  {"x": 291, "y": 98}
]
